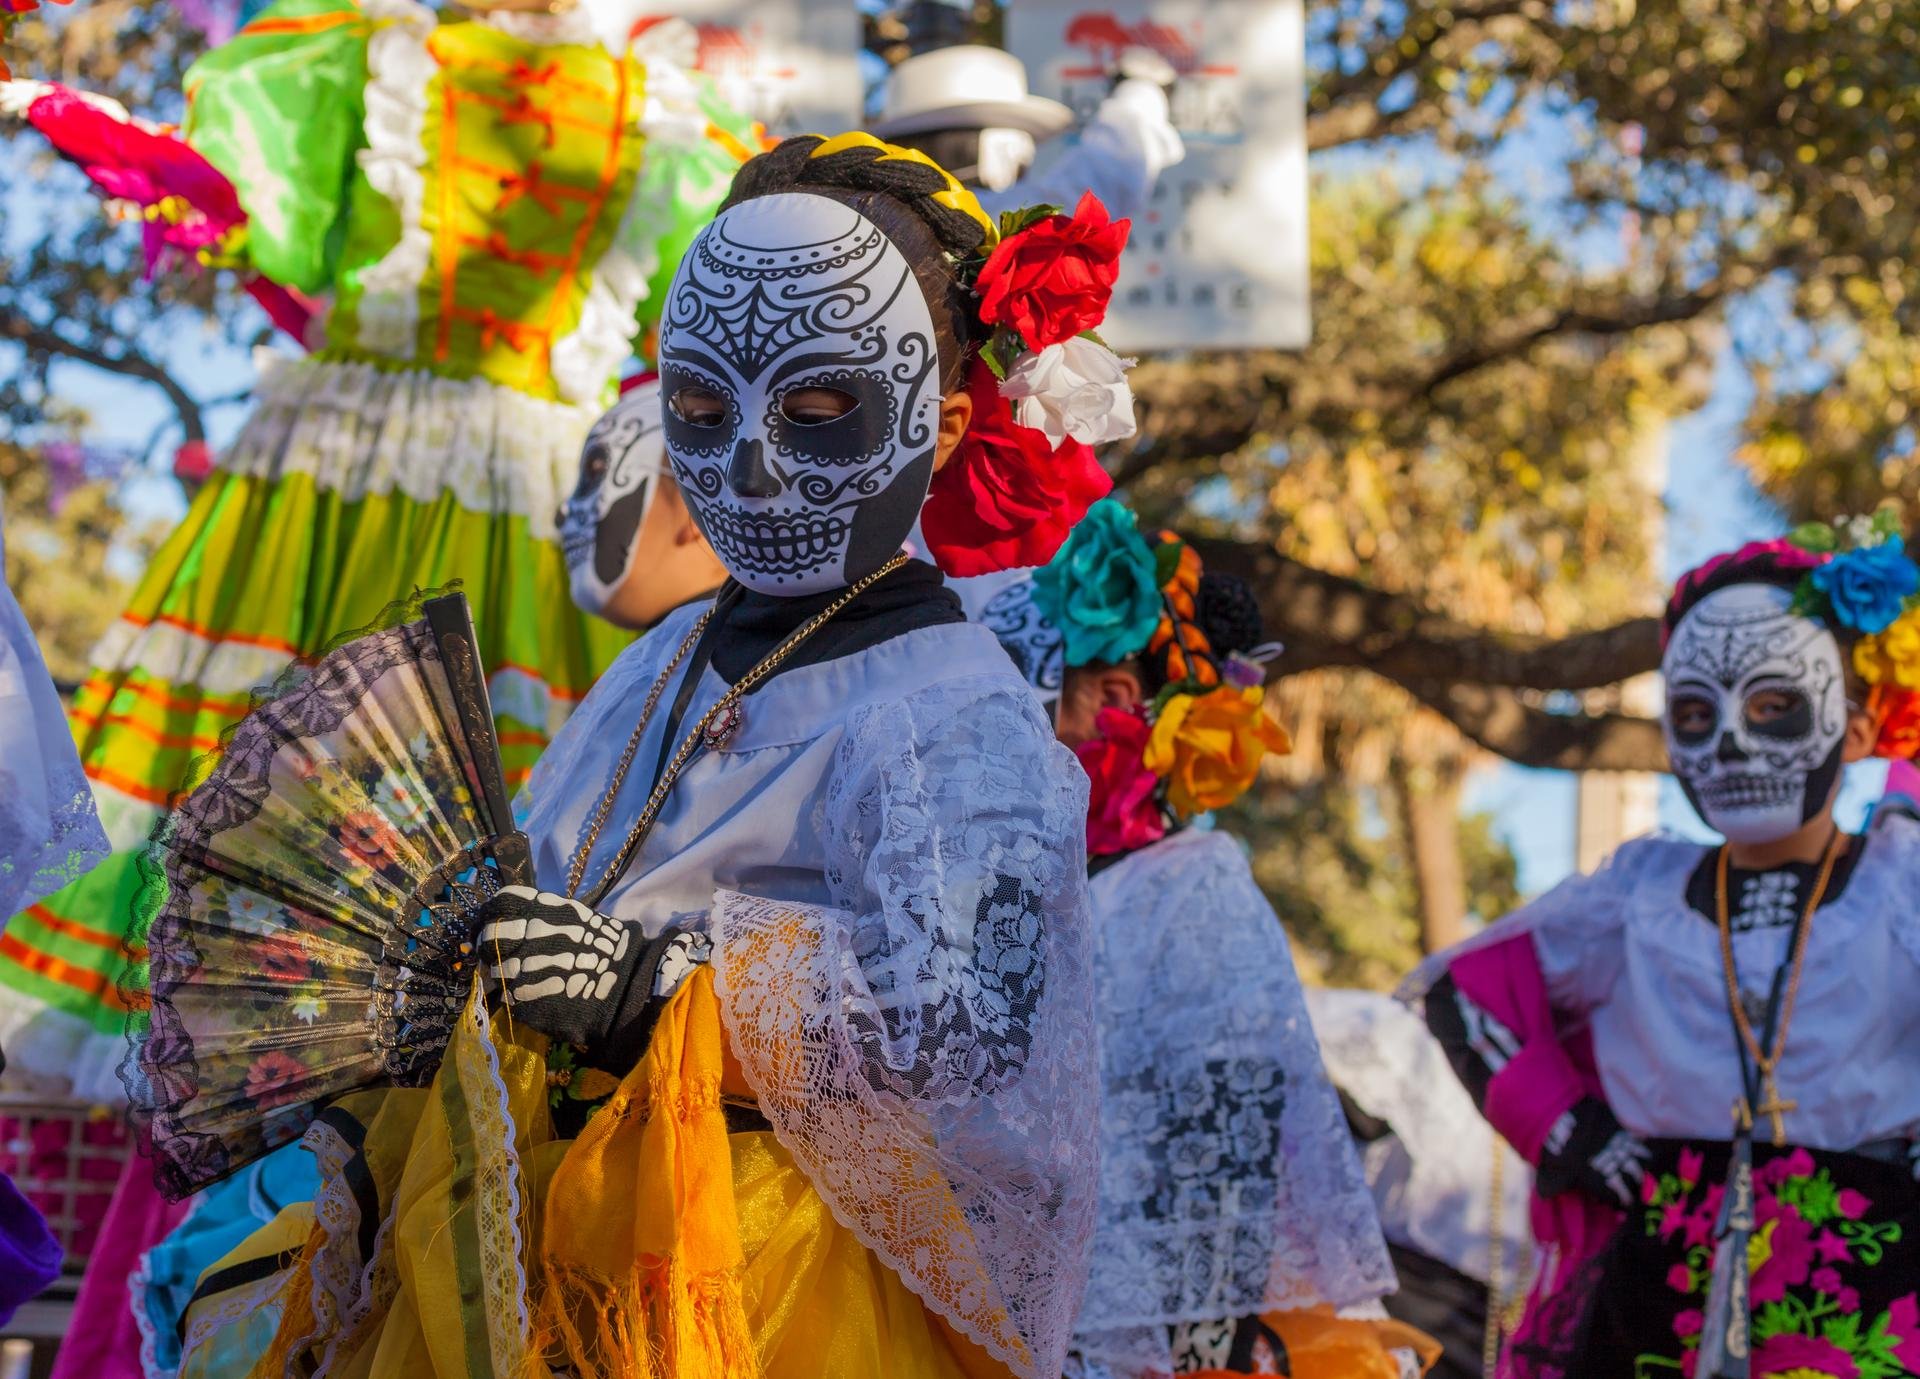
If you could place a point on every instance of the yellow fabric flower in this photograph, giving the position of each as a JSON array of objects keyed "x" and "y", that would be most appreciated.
[
  {"x": 1892, "y": 656},
  {"x": 1210, "y": 746}
]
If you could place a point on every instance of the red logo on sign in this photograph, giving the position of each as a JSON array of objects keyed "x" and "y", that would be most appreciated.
[{"x": 1105, "y": 37}]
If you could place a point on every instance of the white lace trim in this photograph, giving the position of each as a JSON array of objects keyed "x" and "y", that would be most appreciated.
[
  {"x": 359, "y": 430},
  {"x": 585, "y": 360},
  {"x": 399, "y": 68},
  {"x": 1229, "y": 1184},
  {"x": 924, "y": 1047},
  {"x": 497, "y": 1201}
]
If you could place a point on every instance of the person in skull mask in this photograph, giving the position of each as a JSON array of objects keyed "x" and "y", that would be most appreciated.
[
  {"x": 809, "y": 949},
  {"x": 1694, "y": 1026},
  {"x": 1234, "y": 1216},
  {"x": 634, "y": 552}
]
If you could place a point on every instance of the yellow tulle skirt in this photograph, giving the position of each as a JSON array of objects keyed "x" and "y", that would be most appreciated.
[
  {"x": 456, "y": 1238},
  {"x": 656, "y": 1244}
]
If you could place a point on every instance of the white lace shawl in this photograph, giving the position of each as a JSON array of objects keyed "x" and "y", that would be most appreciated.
[
  {"x": 1229, "y": 1184},
  {"x": 1433, "y": 1176},
  {"x": 49, "y": 832},
  {"x": 890, "y": 857}
]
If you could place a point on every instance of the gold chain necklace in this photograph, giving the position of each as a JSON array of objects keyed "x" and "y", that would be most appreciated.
[
  {"x": 714, "y": 727},
  {"x": 1771, "y": 1105}
]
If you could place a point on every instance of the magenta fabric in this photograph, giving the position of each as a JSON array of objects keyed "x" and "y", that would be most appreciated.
[
  {"x": 104, "y": 1341},
  {"x": 1549, "y": 1074},
  {"x": 29, "y": 1255}
]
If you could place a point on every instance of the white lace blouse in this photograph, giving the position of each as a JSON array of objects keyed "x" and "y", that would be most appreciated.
[
  {"x": 889, "y": 855},
  {"x": 1229, "y": 1184},
  {"x": 1623, "y": 953}
]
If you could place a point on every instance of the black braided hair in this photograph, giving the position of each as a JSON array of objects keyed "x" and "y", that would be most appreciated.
[
  {"x": 898, "y": 196},
  {"x": 1228, "y": 612}
]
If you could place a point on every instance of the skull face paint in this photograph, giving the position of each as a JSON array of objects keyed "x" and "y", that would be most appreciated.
[
  {"x": 1756, "y": 712},
  {"x": 782, "y": 295},
  {"x": 621, "y": 467}
]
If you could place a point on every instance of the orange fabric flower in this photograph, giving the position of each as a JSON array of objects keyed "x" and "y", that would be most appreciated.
[
  {"x": 1898, "y": 713},
  {"x": 1210, "y": 746}
]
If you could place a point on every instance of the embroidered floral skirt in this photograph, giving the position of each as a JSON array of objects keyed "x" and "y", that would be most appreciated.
[
  {"x": 1834, "y": 1263},
  {"x": 350, "y": 487}
]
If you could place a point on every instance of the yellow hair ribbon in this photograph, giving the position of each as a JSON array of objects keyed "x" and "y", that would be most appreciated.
[{"x": 955, "y": 198}]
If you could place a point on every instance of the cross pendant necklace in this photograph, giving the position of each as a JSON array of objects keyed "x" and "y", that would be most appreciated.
[{"x": 1767, "y": 1061}]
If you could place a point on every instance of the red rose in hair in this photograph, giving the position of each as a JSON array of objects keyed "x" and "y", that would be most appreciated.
[
  {"x": 1006, "y": 498},
  {"x": 1054, "y": 279},
  {"x": 1122, "y": 813}
]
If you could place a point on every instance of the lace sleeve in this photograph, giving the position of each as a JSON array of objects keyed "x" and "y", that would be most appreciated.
[
  {"x": 942, "y": 851},
  {"x": 49, "y": 833},
  {"x": 924, "y": 1045}
]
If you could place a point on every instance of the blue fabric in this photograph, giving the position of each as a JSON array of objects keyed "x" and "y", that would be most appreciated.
[{"x": 226, "y": 1214}]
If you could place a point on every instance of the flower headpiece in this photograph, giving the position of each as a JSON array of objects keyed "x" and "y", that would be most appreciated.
[
  {"x": 1045, "y": 389},
  {"x": 1113, "y": 594},
  {"x": 1855, "y": 576}
]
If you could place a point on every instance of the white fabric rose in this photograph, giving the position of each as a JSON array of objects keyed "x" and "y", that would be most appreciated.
[{"x": 1077, "y": 388}]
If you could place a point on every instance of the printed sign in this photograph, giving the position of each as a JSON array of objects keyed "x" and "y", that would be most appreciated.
[
  {"x": 1219, "y": 258},
  {"x": 793, "y": 65}
]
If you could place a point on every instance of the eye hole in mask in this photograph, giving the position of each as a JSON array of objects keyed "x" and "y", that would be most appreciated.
[
  {"x": 814, "y": 406},
  {"x": 700, "y": 407},
  {"x": 1694, "y": 718},
  {"x": 1780, "y": 712}
]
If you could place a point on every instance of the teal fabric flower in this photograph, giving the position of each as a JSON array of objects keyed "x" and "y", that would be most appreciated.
[
  {"x": 1869, "y": 587},
  {"x": 1100, "y": 590}
]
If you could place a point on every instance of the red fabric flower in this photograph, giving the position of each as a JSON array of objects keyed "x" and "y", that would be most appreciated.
[
  {"x": 1054, "y": 279},
  {"x": 1006, "y": 498},
  {"x": 1122, "y": 813}
]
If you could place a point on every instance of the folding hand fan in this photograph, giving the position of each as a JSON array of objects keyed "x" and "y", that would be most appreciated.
[{"x": 309, "y": 906}]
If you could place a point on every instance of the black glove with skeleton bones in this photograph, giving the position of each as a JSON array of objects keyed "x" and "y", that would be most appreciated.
[{"x": 580, "y": 976}]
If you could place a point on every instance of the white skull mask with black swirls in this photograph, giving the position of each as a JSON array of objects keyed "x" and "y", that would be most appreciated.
[
  {"x": 622, "y": 466},
  {"x": 1755, "y": 779},
  {"x": 788, "y": 292}
]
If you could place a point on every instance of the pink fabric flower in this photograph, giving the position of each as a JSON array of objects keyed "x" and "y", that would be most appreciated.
[
  {"x": 1689, "y": 1324},
  {"x": 1903, "y": 1329},
  {"x": 1649, "y": 1189},
  {"x": 1853, "y": 1205},
  {"x": 1789, "y": 1258},
  {"x": 1680, "y": 1279},
  {"x": 1672, "y": 1217},
  {"x": 1847, "y": 1300},
  {"x": 1788, "y": 1354},
  {"x": 1122, "y": 811},
  {"x": 1832, "y": 1249},
  {"x": 1826, "y": 1280},
  {"x": 1692, "y": 1164}
]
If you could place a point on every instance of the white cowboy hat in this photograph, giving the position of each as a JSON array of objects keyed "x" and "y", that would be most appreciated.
[{"x": 966, "y": 87}]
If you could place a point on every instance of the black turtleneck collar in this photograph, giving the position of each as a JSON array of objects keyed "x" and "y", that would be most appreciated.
[{"x": 910, "y": 598}]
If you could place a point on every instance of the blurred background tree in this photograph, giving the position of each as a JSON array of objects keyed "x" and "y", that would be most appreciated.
[{"x": 1537, "y": 225}]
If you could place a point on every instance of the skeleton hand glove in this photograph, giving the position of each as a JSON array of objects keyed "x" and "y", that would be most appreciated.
[
  {"x": 560, "y": 967},
  {"x": 581, "y": 976},
  {"x": 1587, "y": 1150}
]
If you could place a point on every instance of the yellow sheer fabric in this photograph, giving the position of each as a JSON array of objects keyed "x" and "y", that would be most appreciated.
[{"x": 656, "y": 1244}]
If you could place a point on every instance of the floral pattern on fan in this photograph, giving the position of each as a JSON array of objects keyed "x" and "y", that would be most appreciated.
[{"x": 308, "y": 907}]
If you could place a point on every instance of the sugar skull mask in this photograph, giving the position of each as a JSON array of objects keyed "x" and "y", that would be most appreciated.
[
  {"x": 1756, "y": 712},
  {"x": 782, "y": 295},
  {"x": 621, "y": 468}
]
